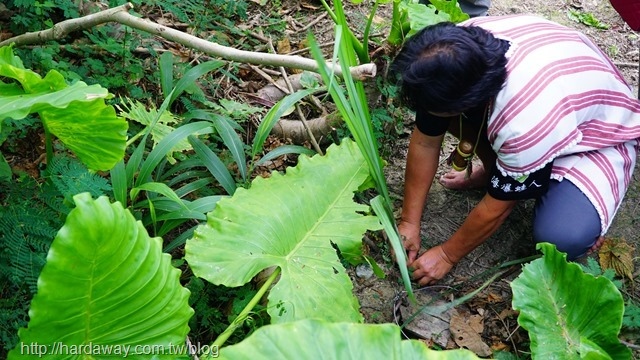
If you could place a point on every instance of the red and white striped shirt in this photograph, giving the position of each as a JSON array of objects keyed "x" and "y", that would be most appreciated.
[{"x": 563, "y": 101}]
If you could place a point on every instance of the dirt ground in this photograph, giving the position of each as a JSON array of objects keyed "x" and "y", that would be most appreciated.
[{"x": 446, "y": 210}]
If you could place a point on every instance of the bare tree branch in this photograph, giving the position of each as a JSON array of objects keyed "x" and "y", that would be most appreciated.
[{"x": 121, "y": 15}]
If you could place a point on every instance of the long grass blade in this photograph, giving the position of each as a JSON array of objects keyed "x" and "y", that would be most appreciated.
[
  {"x": 133, "y": 165},
  {"x": 355, "y": 112},
  {"x": 284, "y": 150},
  {"x": 192, "y": 75},
  {"x": 189, "y": 164},
  {"x": 234, "y": 143},
  {"x": 214, "y": 164},
  {"x": 225, "y": 128},
  {"x": 193, "y": 186},
  {"x": 182, "y": 214},
  {"x": 159, "y": 188},
  {"x": 229, "y": 137},
  {"x": 180, "y": 240},
  {"x": 205, "y": 204},
  {"x": 274, "y": 114},
  {"x": 377, "y": 204},
  {"x": 188, "y": 175},
  {"x": 164, "y": 146},
  {"x": 118, "y": 177}
]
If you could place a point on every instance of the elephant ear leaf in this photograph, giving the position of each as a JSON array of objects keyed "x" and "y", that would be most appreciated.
[
  {"x": 569, "y": 314},
  {"x": 293, "y": 221},
  {"x": 106, "y": 286},
  {"x": 76, "y": 113},
  {"x": 335, "y": 341}
]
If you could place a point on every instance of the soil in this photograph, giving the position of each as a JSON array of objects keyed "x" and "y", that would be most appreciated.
[{"x": 446, "y": 209}]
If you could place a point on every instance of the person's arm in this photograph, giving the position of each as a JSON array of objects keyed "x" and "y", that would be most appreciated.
[
  {"x": 481, "y": 223},
  {"x": 422, "y": 164}
]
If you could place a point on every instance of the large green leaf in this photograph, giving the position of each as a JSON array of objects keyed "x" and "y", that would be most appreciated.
[
  {"x": 91, "y": 130},
  {"x": 420, "y": 16},
  {"x": 106, "y": 282},
  {"x": 315, "y": 340},
  {"x": 75, "y": 113},
  {"x": 291, "y": 221},
  {"x": 569, "y": 314}
]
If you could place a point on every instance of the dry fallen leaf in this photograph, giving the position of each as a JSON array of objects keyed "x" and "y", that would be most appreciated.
[
  {"x": 283, "y": 46},
  {"x": 500, "y": 346},
  {"x": 507, "y": 313},
  {"x": 617, "y": 254},
  {"x": 466, "y": 330},
  {"x": 494, "y": 298}
]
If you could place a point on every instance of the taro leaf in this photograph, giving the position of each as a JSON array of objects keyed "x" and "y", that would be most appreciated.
[
  {"x": 452, "y": 8},
  {"x": 291, "y": 221},
  {"x": 568, "y": 314},
  {"x": 91, "y": 130},
  {"x": 313, "y": 339},
  {"x": 617, "y": 254},
  {"x": 421, "y": 15},
  {"x": 106, "y": 282},
  {"x": 76, "y": 113}
]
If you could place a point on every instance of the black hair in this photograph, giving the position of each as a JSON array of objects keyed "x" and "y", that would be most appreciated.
[{"x": 447, "y": 68}]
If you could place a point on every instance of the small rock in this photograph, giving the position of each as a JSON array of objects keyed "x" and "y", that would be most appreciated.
[{"x": 364, "y": 271}]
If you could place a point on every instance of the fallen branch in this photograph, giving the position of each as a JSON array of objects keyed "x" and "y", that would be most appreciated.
[{"x": 120, "y": 15}]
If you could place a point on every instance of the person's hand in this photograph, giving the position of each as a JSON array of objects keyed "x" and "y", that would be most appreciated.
[
  {"x": 410, "y": 236},
  {"x": 431, "y": 266}
]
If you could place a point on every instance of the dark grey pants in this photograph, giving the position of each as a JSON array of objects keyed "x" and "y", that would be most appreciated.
[
  {"x": 564, "y": 216},
  {"x": 475, "y": 7},
  {"x": 472, "y": 7}
]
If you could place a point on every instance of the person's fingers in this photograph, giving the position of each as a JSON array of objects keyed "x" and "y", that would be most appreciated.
[
  {"x": 411, "y": 256},
  {"x": 418, "y": 272},
  {"x": 425, "y": 280}
]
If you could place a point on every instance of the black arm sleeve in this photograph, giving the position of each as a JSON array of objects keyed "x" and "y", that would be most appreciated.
[
  {"x": 532, "y": 186},
  {"x": 431, "y": 125}
]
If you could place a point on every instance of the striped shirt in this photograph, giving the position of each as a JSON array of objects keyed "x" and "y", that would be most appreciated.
[{"x": 563, "y": 101}]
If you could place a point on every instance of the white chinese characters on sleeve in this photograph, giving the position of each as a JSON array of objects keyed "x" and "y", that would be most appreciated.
[{"x": 495, "y": 182}]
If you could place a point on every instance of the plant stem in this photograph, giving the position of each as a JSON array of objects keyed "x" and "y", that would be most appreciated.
[
  {"x": 239, "y": 320},
  {"x": 395, "y": 34},
  {"x": 135, "y": 137},
  {"x": 367, "y": 28},
  {"x": 442, "y": 308},
  {"x": 361, "y": 51}
]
